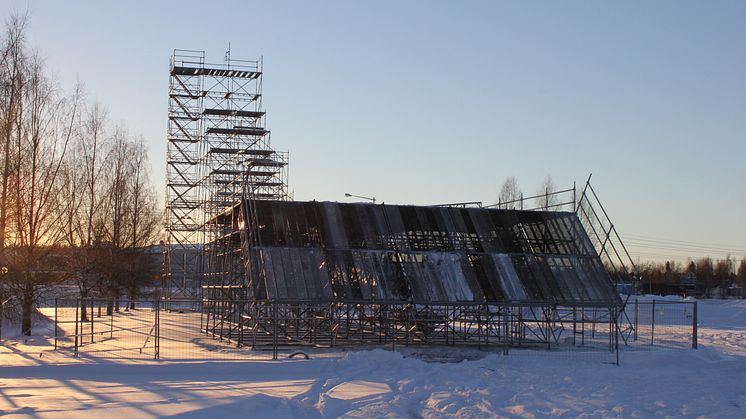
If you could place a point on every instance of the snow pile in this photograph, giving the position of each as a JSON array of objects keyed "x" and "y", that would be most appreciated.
[{"x": 379, "y": 383}]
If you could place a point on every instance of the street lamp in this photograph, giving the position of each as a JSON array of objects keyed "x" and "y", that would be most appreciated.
[{"x": 349, "y": 195}]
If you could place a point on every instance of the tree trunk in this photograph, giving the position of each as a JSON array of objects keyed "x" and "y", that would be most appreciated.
[
  {"x": 83, "y": 310},
  {"x": 27, "y": 306},
  {"x": 132, "y": 296}
]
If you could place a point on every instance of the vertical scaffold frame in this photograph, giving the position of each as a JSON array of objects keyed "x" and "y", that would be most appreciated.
[{"x": 217, "y": 141}]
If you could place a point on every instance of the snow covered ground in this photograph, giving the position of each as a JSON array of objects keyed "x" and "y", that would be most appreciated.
[{"x": 709, "y": 382}]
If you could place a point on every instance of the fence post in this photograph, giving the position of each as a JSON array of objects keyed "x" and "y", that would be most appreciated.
[
  {"x": 636, "y": 321},
  {"x": 77, "y": 320},
  {"x": 391, "y": 326},
  {"x": 274, "y": 329},
  {"x": 406, "y": 326},
  {"x": 593, "y": 324},
  {"x": 240, "y": 324},
  {"x": 91, "y": 304},
  {"x": 256, "y": 311},
  {"x": 694, "y": 326},
  {"x": 574, "y": 199},
  {"x": 202, "y": 316},
  {"x": 549, "y": 329},
  {"x": 157, "y": 328},
  {"x": 652, "y": 325},
  {"x": 616, "y": 336},
  {"x": 111, "y": 325},
  {"x": 582, "y": 326},
  {"x": 612, "y": 328},
  {"x": 55, "y": 323},
  {"x": 479, "y": 327}
]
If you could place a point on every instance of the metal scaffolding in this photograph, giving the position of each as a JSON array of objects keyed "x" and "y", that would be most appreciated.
[
  {"x": 596, "y": 223},
  {"x": 327, "y": 274},
  {"x": 324, "y": 273},
  {"x": 218, "y": 152}
]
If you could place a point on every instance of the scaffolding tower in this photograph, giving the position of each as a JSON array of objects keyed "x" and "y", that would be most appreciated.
[{"x": 218, "y": 152}]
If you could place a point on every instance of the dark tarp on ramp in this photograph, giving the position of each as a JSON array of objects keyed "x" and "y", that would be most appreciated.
[{"x": 329, "y": 251}]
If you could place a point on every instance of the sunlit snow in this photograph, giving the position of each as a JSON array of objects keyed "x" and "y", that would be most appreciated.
[{"x": 706, "y": 382}]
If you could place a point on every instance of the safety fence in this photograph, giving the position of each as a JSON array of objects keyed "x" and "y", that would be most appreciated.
[
  {"x": 102, "y": 329},
  {"x": 140, "y": 330},
  {"x": 231, "y": 329},
  {"x": 653, "y": 324}
]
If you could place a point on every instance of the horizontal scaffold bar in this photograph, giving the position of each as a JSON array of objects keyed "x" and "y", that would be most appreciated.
[
  {"x": 241, "y": 172},
  {"x": 233, "y": 112},
  {"x": 214, "y": 72},
  {"x": 238, "y": 131},
  {"x": 250, "y": 152}
]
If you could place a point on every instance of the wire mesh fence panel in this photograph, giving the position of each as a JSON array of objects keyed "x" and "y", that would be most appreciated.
[
  {"x": 228, "y": 330},
  {"x": 185, "y": 334},
  {"x": 236, "y": 329},
  {"x": 105, "y": 328},
  {"x": 574, "y": 334},
  {"x": 659, "y": 324},
  {"x": 290, "y": 326}
]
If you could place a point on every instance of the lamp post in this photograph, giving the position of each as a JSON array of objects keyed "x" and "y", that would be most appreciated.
[{"x": 349, "y": 195}]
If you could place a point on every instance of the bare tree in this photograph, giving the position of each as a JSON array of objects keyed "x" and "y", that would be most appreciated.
[
  {"x": 118, "y": 174},
  {"x": 12, "y": 80},
  {"x": 741, "y": 273},
  {"x": 93, "y": 152},
  {"x": 509, "y": 193},
  {"x": 69, "y": 203},
  {"x": 144, "y": 219},
  {"x": 82, "y": 197},
  {"x": 705, "y": 268},
  {"x": 75, "y": 201},
  {"x": 115, "y": 216},
  {"x": 125, "y": 220},
  {"x": 723, "y": 273},
  {"x": 44, "y": 127},
  {"x": 544, "y": 197},
  {"x": 13, "y": 61},
  {"x": 143, "y": 223}
]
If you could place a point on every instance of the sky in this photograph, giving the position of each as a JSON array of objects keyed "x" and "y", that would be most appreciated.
[{"x": 434, "y": 102}]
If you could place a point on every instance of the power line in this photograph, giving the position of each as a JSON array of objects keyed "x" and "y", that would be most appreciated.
[
  {"x": 696, "y": 249},
  {"x": 660, "y": 256},
  {"x": 664, "y": 255},
  {"x": 642, "y": 246},
  {"x": 674, "y": 246},
  {"x": 673, "y": 241}
]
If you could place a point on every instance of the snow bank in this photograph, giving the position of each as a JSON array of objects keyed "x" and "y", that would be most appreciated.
[{"x": 706, "y": 382}]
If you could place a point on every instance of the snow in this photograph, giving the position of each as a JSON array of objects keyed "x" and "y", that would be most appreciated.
[{"x": 411, "y": 382}]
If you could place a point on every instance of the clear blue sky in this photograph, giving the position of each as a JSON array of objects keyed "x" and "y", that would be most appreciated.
[{"x": 430, "y": 102}]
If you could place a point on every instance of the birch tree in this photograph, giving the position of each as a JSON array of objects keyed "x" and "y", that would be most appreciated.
[{"x": 509, "y": 193}]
